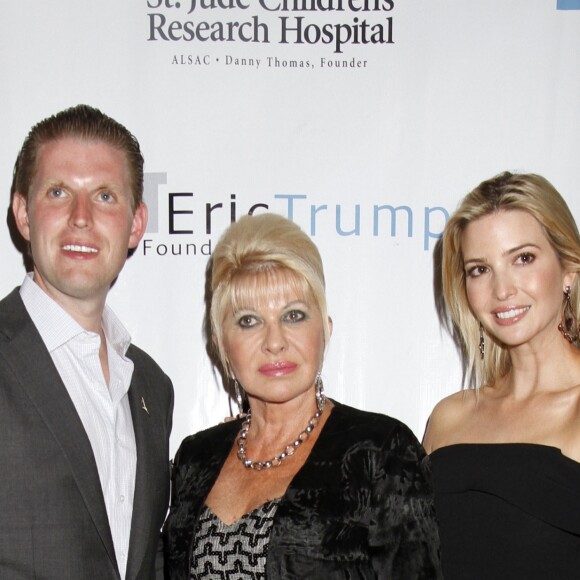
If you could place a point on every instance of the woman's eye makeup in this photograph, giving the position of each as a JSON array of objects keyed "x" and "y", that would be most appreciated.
[
  {"x": 476, "y": 271},
  {"x": 246, "y": 320},
  {"x": 294, "y": 315},
  {"x": 525, "y": 258},
  {"x": 291, "y": 316},
  {"x": 521, "y": 259}
]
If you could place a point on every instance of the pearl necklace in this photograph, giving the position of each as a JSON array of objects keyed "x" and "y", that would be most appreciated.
[{"x": 276, "y": 460}]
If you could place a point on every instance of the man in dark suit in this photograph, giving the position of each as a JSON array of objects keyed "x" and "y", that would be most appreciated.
[{"x": 85, "y": 416}]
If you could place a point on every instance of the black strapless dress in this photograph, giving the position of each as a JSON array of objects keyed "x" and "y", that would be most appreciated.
[{"x": 507, "y": 511}]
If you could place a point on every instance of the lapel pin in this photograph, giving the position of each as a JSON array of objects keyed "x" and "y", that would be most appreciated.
[{"x": 144, "y": 406}]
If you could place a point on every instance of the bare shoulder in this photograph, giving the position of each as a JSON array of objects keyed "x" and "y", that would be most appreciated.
[{"x": 449, "y": 416}]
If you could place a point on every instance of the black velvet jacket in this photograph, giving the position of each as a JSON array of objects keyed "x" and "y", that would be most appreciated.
[{"x": 361, "y": 507}]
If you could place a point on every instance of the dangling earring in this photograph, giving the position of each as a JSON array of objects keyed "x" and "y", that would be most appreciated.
[
  {"x": 320, "y": 396},
  {"x": 239, "y": 398},
  {"x": 569, "y": 325},
  {"x": 481, "y": 342}
]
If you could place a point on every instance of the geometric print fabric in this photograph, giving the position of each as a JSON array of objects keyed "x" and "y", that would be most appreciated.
[{"x": 234, "y": 552}]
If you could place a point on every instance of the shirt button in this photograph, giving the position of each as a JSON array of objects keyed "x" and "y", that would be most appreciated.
[{"x": 122, "y": 498}]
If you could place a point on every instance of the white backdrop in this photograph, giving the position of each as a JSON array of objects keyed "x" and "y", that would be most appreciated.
[{"x": 457, "y": 92}]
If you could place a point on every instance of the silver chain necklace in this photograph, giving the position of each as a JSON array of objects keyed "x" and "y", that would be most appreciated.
[{"x": 278, "y": 459}]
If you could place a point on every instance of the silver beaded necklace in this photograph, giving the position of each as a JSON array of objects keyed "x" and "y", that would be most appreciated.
[{"x": 277, "y": 459}]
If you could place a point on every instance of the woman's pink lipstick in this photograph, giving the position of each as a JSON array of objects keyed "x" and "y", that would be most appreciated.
[
  {"x": 278, "y": 369},
  {"x": 509, "y": 316}
]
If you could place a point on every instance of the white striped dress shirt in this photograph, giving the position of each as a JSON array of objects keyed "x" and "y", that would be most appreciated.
[{"x": 103, "y": 409}]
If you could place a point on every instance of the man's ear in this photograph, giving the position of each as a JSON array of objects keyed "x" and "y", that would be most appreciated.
[
  {"x": 139, "y": 225},
  {"x": 20, "y": 211}
]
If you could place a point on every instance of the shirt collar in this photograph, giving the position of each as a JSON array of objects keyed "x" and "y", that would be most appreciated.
[{"x": 57, "y": 327}]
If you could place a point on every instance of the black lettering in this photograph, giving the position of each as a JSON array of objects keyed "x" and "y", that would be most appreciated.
[{"x": 173, "y": 212}]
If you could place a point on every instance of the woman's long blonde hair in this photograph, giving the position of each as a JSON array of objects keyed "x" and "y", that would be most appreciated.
[{"x": 507, "y": 191}]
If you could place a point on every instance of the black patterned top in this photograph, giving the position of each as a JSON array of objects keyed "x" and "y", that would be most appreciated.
[
  {"x": 235, "y": 551},
  {"x": 360, "y": 507}
]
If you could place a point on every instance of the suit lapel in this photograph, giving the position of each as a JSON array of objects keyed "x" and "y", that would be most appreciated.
[
  {"x": 147, "y": 439},
  {"x": 26, "y": 354}
]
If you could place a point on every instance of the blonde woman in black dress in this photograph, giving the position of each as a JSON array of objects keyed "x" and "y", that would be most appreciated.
[{"x": 506, "y": 454}]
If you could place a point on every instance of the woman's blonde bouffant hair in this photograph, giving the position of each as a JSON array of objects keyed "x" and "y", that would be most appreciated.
[
  {"x": 507, "y": 191},
  {"x": 255, "y": 255}
]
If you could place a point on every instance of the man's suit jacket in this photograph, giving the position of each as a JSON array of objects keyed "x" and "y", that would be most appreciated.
[{"x": 53, "y": 521}]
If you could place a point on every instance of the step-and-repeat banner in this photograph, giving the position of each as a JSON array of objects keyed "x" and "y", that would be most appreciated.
[{"x": 365, "y": 121}]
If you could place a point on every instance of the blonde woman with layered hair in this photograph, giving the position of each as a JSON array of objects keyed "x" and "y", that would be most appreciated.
[
  {"x": 506, "y": 450},
  {"x": 302, "y": 486}
]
